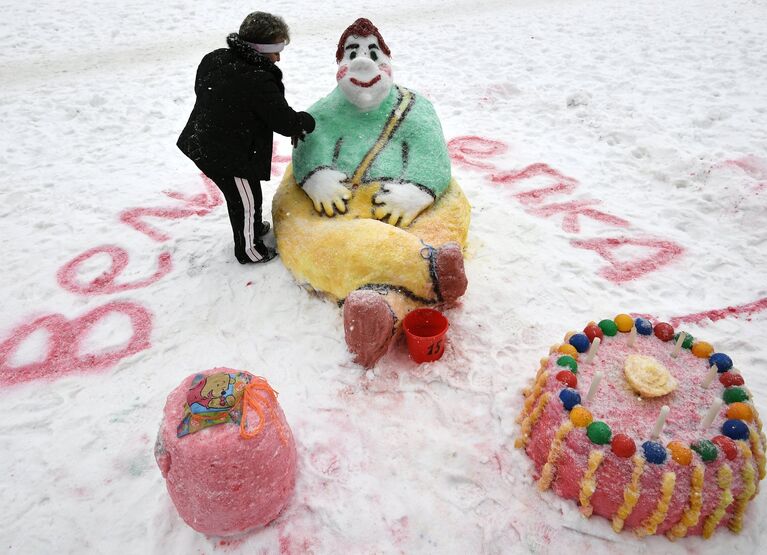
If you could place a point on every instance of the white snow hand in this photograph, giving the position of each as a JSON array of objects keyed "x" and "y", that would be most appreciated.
[
  {"x": 400, "y": 203},
  {"x": 327, "y": 191}
]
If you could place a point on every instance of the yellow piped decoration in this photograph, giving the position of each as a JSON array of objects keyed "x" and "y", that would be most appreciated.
[
  {"x": 759, "y": 453},
  {"x": 529, "y": 422},
  {"x": 724, "y": 479},
  {"x": 647, "y": 376},
  {"x": 749, "y": 489},
  {"x": 756, "y": 447},
  {"x": 650, "y": 525},
  {"x": 532, "y": 397},
  {"x": 589, "y": 482},
  {"x": 547, "y": 474},
  {"x": 630, "y": 495},
  {"x": 691, "y": 514}
]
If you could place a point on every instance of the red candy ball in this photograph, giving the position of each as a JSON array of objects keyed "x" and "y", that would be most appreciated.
[
  {"x": 567, "y": 378},
  {"x": 623, "y": 446},
  {"x": 592, "y": 331},
  {"x": 664, "y": 331},
  {"x": 727, "y": 446},
  {"x": 729, "y": 379}
]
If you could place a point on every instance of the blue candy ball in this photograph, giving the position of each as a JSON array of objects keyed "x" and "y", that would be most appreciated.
[
  {"x": 644, "y": 327},
  {"x": 569, "y": 398},
  {"x": 735, "y": 429},
  {"x": 722, "y": 361},
  {"x": 581, "y": 342},
  {"x": 654, "y": 452}
]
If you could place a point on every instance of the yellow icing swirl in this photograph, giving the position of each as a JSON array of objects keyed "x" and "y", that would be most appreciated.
[
  {"x": 529, "y": 422},
  {"x": 691, "y": 514},
  {"x": 724, "y": 480},
  {"x": 749, "y": 489},
  {"x": 630, "y": 495},
  {"x": 547, "y": 474},
  {"x": 589, "y": 482},
  {"x": 650, "y": 525}
]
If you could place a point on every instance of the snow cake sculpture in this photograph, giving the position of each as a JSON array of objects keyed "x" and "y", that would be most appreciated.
[
  {"x": 646, "y": 427},
  {"x": 368, "y": 214},
  {"x": 226, "y": 452}
]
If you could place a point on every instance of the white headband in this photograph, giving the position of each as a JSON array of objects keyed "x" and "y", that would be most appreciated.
[{"x": 266, "y": 48}]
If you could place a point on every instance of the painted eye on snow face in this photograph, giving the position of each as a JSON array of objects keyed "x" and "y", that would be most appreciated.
[
  {"x": 352, "y": 55},
  {"x": 373, "y": 56}
]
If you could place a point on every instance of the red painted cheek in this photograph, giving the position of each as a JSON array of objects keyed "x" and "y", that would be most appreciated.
[
  {"x": 342, "y": 71},
  {"x": 386, "y": 68}
]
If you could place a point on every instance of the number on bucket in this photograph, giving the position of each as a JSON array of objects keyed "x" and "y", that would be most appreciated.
[{"x": 435, "y": 348}]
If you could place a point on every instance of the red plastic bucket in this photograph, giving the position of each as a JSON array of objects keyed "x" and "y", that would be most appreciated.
[{"x": 425, "y": 331}]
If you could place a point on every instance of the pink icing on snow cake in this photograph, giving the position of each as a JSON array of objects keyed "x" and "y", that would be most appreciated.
[
  {"x": 226, "y": 452},
  {"x": 666, "y": 441}
]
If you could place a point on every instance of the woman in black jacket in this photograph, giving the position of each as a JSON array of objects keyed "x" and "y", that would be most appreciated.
[{"x": 240, "y": 103}]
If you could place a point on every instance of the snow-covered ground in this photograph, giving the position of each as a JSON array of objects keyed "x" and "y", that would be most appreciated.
[{"x": 650, "y": 116}]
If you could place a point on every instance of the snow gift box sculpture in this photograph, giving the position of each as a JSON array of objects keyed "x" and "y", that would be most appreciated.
[
  {"x": 226, "y": 452},
  {"x": 369, "y": 214}
]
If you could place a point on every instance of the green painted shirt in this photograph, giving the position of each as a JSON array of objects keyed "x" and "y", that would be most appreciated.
[{"x": 416, "y": 151}]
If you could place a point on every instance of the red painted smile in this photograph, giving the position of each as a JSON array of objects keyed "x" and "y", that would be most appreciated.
[{"x": 370, "y": 83}]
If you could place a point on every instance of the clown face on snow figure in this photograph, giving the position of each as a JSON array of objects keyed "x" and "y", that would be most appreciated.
[
  {"x": 372, "y": 132},
  {"x": 364, "y": 72}
]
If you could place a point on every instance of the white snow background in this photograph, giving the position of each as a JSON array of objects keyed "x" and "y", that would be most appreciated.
[{"x": 656, "y": 109}]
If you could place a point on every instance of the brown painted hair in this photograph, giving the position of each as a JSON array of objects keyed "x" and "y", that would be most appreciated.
[{"x": 362, "y": 28}]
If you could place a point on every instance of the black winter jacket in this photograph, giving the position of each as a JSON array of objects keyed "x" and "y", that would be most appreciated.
[{"x": 240, "y": 103}]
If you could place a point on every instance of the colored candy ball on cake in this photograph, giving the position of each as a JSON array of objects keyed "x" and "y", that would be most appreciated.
[
  {"x": 654, "y": 452},
  {"x": 734, "y": 395},
  {"x": 567, "y": 378},
  {"x": 687, "y": 342},
  {"x": 740, "y": 411},
  {"x": 706, "y": 449},
  {"x": 735, "y": 429},
  {"x": 729, "y": 379},
  {"x": 592, "y": 331},
  {"x": 623, "y": 446},
  {"x": 568, "y": 362},
  {"x": 624, "y": 323},
  {"x": 580, "y": 341},
  {"x": 728, "y": 446},
  {"x": 569, "y": 398},
  {"x": 702, "y": 349},
  {"x": 664, "y": 331},
  {"x": 721, "y": 360},
  {"x": 226, "y": 452},
  {"x": 643, "y": 326},
  {"x": 608, "y": 327},
  {"x": 680, "y": 452}
]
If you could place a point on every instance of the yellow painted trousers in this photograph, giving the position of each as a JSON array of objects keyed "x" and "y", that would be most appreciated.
[{"x": 339, "y": 255}]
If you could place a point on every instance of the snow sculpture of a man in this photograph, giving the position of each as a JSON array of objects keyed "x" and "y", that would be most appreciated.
[{"x": 369, "y": 214}]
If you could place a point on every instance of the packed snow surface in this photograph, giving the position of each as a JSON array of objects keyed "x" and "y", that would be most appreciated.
[{"x": 615, "y": 155}]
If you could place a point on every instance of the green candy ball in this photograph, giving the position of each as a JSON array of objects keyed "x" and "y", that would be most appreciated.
[
  {"x": 734, "y": 395},
  {"x": 705, "y": 449},
  {"x": 608, "y": 327},
  {"x": 688, "y": 340},
  {"x": 599, "y": 433},
  {"x": 568, "y": 362}
]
